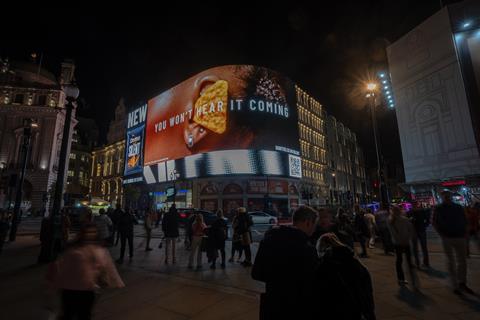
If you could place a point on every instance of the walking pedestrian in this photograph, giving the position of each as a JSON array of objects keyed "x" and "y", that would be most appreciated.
[
  {"x": 450, "y": 222},
  {"x": 371, "y": 224},
  {"x": 401, "y": 230},
  {"x": 381, "y": 220},
  {"x": 4, "y": 226},
  {"x": 286, "y": 262},
  {"x": 103, "y": 223},
  {"x": 198, "y": 234},
  {"x": 125, "y": 228},
  {"x": 116, "y": 215},
  {"x": 236, "y": 239},
  {"x": 170, "y": 231},
  {"x": 473, "y": 214},
  {"x": 343, "y": 283},
  {"x": 218, "y": 231},
  {"x": 244, "y": 222},
  {"x": 362, "y": 232},
  {"x": 150, "y": 218},
  {"x": 85, "y": 267},
  {"x": 420, "y": 218}
]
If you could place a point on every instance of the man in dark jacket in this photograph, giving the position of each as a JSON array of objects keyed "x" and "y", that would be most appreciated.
[
  {"x": 287, "y": 262},
  {"x": 451, "y": 224},
  {"x": 115, "y": 217},
  {"x": 170, "y": 230},
  {"x": 125, "y": 227}
]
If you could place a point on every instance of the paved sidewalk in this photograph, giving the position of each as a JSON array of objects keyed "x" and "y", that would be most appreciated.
[{"x": 158, "y": 291}]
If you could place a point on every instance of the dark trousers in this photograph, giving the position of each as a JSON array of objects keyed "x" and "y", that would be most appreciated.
[
  {"x": 222, "y": 254},
  {"x": 422, "y": 238},
  {"x": 248, "y": 253},
  {"x": 77, "y": 304},
  {"x": 149, "y": 237},
  {"x": 13, "y": 231},
  {"x": 363, "y": 244},
  {"x": 386, "y": 240},
  {"x": 3, "y": 236},
  {"x": 400, "y": 251},
  {"x": 236, "y": 246},
  {"x": 123, "y": 240}
]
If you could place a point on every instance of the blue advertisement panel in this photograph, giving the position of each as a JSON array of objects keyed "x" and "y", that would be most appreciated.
[{"x": 133, "y": 150}]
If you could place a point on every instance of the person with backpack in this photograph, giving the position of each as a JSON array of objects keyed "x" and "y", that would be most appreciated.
[{"x": 343, "y": 283}]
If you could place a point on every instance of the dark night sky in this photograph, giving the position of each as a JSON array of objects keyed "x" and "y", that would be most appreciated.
[{"x": 326, "y": 49}]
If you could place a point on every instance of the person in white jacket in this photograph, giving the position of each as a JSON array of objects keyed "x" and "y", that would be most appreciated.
[
  {"x": 104, "y": 223},
  {"x": 401, "y": 230}
]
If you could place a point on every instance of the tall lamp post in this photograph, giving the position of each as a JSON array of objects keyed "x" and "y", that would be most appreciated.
[
  {"x": 28, "y": 125},
  {"x": 49, "y": 250},
  {"x": 371, "y": 96}
]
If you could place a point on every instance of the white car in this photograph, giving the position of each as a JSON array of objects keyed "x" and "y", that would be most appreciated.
[{"x": 259, "y": 217}]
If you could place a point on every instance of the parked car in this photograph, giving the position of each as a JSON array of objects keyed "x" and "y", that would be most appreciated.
[{"x": 259, "y": 217}]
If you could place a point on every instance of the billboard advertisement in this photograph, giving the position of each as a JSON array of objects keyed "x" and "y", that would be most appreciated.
[
  {"x": 134, "y": 144},
  {"x": 222, "y": 121}
]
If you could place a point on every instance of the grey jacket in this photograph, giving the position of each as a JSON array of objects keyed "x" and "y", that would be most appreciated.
[{"x": 401, "y": 230}]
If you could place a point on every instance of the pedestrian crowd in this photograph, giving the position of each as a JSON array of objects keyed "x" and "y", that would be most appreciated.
[{"x": 313, "y": 259}]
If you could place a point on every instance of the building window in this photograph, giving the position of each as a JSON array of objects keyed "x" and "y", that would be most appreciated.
[
  {"x": 73, "y": 156},
  {"x": 18, "y": 98},
  {"x": 41, "y": 100},
  {"x": 70, "y": 173}
]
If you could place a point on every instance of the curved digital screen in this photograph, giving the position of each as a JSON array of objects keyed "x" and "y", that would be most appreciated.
[{"x": 223, "y": 121}]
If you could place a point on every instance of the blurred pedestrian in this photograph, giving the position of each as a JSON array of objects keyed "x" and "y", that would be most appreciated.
[
  {"x": 125, "y": 227},
  {"x": 344, "y": 229},
  {"x": 372, "y": 225},
  {"x": 381, "y": 219},
  {"x": 343, "y": 283},
  {"x": 103, "y": 223},
  {"x": 401, "y": 230},
  {"x": 473, "y": 214},
  {"x": 236, "y": 239},
  {"x": 4, "y": 226},
  {"x": 362, "y": 232},
  {"x": 218, "y": 231},
  {"x": 420, "y": 218},
  {"x": 84, "y": 268},
  {"x": 150, "y": 218},
  {"x": 15, "y": 220},
  {"x": 170, "y": 231},
  {"x": 450, "y": 222},
  {"x": 116, "y": 215},
  {"x": 198, "y": 233},
  {"x": 286, "y": 262},
  {"x": 244, "y": 222}
]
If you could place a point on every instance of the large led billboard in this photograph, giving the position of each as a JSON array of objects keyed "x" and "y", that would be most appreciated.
[{"x": 222, "y": 121}]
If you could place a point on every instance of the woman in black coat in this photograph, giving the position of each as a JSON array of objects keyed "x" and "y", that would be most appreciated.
[
  {"x": 344, "y": 283},
  {"x": 170, "y": 230},
  {"x": 218, "y": 234}
]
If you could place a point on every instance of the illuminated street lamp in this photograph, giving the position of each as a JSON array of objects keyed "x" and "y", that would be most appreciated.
[
  {"x": 28, "y": 125},
  {"x": 372, "y": 100}
]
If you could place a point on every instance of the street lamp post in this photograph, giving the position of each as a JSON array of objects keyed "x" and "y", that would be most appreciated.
[
  {"x": 48, "y": 251},
  {"x": 371, "y": 89},
  {"x": 29, "y": 124}
]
